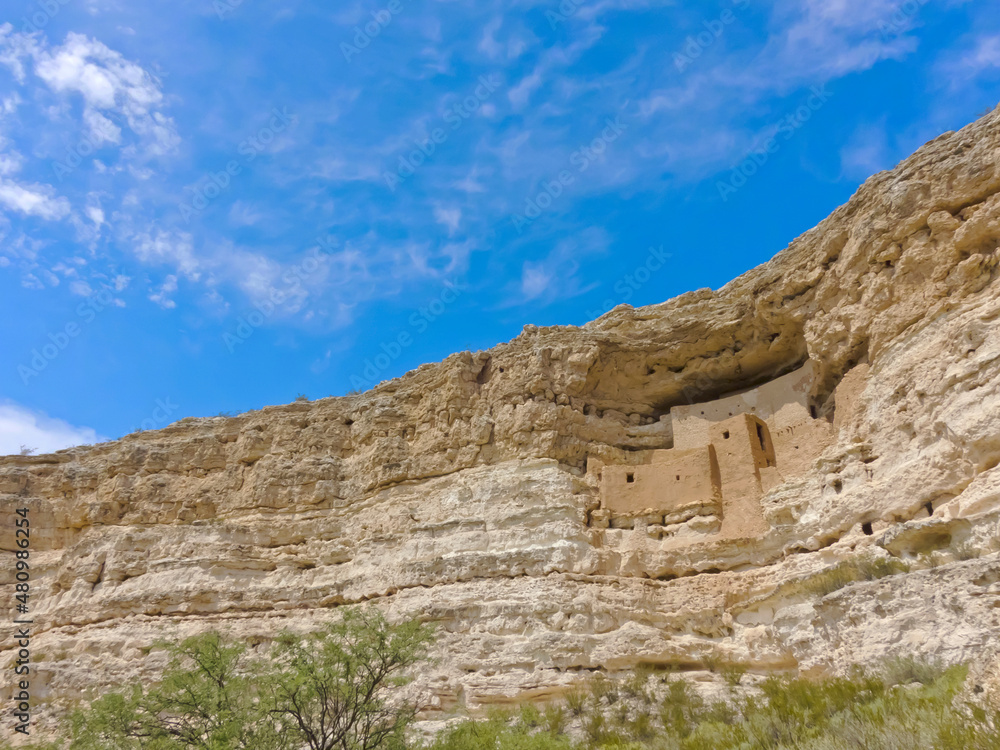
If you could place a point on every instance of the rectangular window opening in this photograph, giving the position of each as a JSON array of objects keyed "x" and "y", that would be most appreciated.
[{"x": 630, "y": 477}]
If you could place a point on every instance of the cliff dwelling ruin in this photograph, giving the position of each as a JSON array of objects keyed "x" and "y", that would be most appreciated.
[{"x": 726, "y": 455}]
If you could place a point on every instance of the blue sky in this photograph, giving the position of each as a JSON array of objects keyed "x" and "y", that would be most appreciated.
[{"x": 213, "y": 205}]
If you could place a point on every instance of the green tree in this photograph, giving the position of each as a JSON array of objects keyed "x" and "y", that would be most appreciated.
[
  {"x": 329, "y": 690},
  {"x": 209, "y": 699},
  {"x": 336, "y": 686}
]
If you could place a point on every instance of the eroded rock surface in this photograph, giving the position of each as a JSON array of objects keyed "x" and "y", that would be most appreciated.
[{"x": 460, "y": 493}]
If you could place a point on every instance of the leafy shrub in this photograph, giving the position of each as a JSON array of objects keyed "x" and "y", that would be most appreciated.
[
  {"x": 864, "y": 711},
  {"x": 603, "y": 689},
  {"x": 733, "y": 674},
  {"x": 642, "y": 727},
  {"x": 681, "y": 708},
  {"x": 496, "y": 734},
  {"x": 554, "y": 719},
  {"x": 332, "y": 690},
  {"x": 531, "y": 716},
  {"x": 324, "y": 690},
  {"x": 905, "y": 670},
  {"x": 636, "y": 685}
]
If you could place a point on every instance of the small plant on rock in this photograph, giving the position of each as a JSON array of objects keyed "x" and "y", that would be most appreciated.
[
  {"x": 531, "y": 717},
  {"x": 554, "y": 719},
  {"x": 576, "y": 701},
  {"x": 906, "y": 670},
  {"x": 733, "y": 674}
]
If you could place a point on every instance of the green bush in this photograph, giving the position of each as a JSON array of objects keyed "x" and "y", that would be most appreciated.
[
  {"x": 904, "y": 670},
  {"x": 497, "y": 734},
  {"x": 866, "y": 711},
  {"x": 554, "y": 719},
  {"x": 325, "y": 690},
  {"x": 733, "y": 674},
  {"x": 531, "y": 716},
  {"x": 333, "y": 690}
]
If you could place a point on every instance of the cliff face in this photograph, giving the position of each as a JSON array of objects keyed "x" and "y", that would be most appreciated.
[{"x": 460, "y": 492}]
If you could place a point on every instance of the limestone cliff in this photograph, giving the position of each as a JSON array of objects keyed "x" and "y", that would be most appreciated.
[{"x": 460, "y": 493}]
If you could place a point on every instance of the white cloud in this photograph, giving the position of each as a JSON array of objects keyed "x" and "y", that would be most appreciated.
[
  {"x": 65, "y": 270},
  {"x": 162, "y": 295},
  {"x": 556, "y": 276},
  {"x": 535, "y": 280},
  {"x": 470, "y": 183},
  {"x": 982, "y": 55},
  {"x": 101, "y": 129},
  {"x": 520, "y": 94},
  {"x": 95, "y": 214},
  {"x": 552, "y": 62},
  {"x": 831, "y": 38},
  {"x": 11, "y": 163},
  {"x": 9, "y": 104},
  {"x": 20, "y": 426},
  {"x": 170, "y": 249},
  {"x": 244, "y": 215},
  {"x": 107, "y": 82},
  {"x": 703, "y": 111},
  {"x": 449, "y": 217},
  {"x": 986, "y": 54},
  {"x": 81, "y": 288},
  {"x": 33, "y": 200},
  {"x": 488, "y": 44},
  {"x": 14, "y": 48}
]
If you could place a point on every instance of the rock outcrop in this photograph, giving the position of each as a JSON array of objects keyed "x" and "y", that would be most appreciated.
[{"x": 460, "y": 492}]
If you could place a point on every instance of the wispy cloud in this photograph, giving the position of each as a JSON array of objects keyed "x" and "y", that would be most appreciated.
[
  {"x": 982, "y": 55},
  {"x": 557, "y": 276},
  {"x": 867, "y": 151}
]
